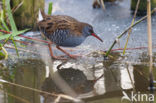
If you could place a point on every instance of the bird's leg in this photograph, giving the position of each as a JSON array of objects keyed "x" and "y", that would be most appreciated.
[
  {"x": 51, "y": 52},
  {"x": 72, "y": 56}
]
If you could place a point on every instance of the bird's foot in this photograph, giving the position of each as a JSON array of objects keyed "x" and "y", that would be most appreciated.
[
  {"x": 74, "y": 56},
  {"x": 63, "y": 57},
  {"x": 70, "y": 55},
  {"x": 59, "y": 58}
]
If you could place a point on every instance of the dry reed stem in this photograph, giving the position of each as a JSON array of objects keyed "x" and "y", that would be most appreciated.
[
  {"x": 16, "y": 97},
  {"x": 129, "y": 32},
  {"x": 103, "y": 4},
  {"x": 40, "y": 91},
  {"x": 149, "y": 31}
]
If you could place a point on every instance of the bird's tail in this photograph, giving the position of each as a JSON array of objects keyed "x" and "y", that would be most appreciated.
[{"x": 41, "y": 15}]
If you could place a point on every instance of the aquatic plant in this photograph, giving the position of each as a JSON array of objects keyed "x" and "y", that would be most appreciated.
[{"x": 9, "y": 26}]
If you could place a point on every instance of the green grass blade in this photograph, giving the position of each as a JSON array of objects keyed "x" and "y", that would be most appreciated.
[
  {"x": 0, "y": 46},
  {"x": 2, "y": 55},
  {"x": 50, "y": 8},
  {"x": 3, "y": 22},
  {"x": 6, "y": 40},
  {"x": 19, "y": 32},
  {"x": 129, "y": 32},
  {"x": 1, "y": 27},
  {"x": 5, "y": 36},
  {"x": 13, "y": 34},
  {"x": 10, "y": 16},
  {"x": 15, "y": 45},
  {"x": 1, "y": 33},
  {"x": 4, "y": 7}
]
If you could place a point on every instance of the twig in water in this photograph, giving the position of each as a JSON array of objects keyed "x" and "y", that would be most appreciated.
[
  {"x": 130, "y": 30},
  {"x": 130, "y": 77}
]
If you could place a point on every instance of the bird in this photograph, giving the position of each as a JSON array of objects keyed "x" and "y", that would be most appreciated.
[{"x": 64, "y": 31}]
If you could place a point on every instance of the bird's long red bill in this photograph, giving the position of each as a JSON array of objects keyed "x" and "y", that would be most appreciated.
[{"x": 93, "y": 34}]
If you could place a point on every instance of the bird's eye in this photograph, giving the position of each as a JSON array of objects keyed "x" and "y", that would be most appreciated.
[{"x": 91, "y": 31}]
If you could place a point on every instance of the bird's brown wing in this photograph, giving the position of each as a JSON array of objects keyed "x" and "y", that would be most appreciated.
[{"x": 52, "y": 23}]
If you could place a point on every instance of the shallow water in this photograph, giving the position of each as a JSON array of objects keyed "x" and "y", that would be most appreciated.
[{"x": 78, "y": 77}]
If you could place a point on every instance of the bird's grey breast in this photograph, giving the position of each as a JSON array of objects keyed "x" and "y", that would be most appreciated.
[
  {"x": 64, "y": 38},
  {"x": 73, "y": 41}
]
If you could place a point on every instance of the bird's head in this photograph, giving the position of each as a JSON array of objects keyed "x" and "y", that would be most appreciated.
[{"x": 88, "y": 31}]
